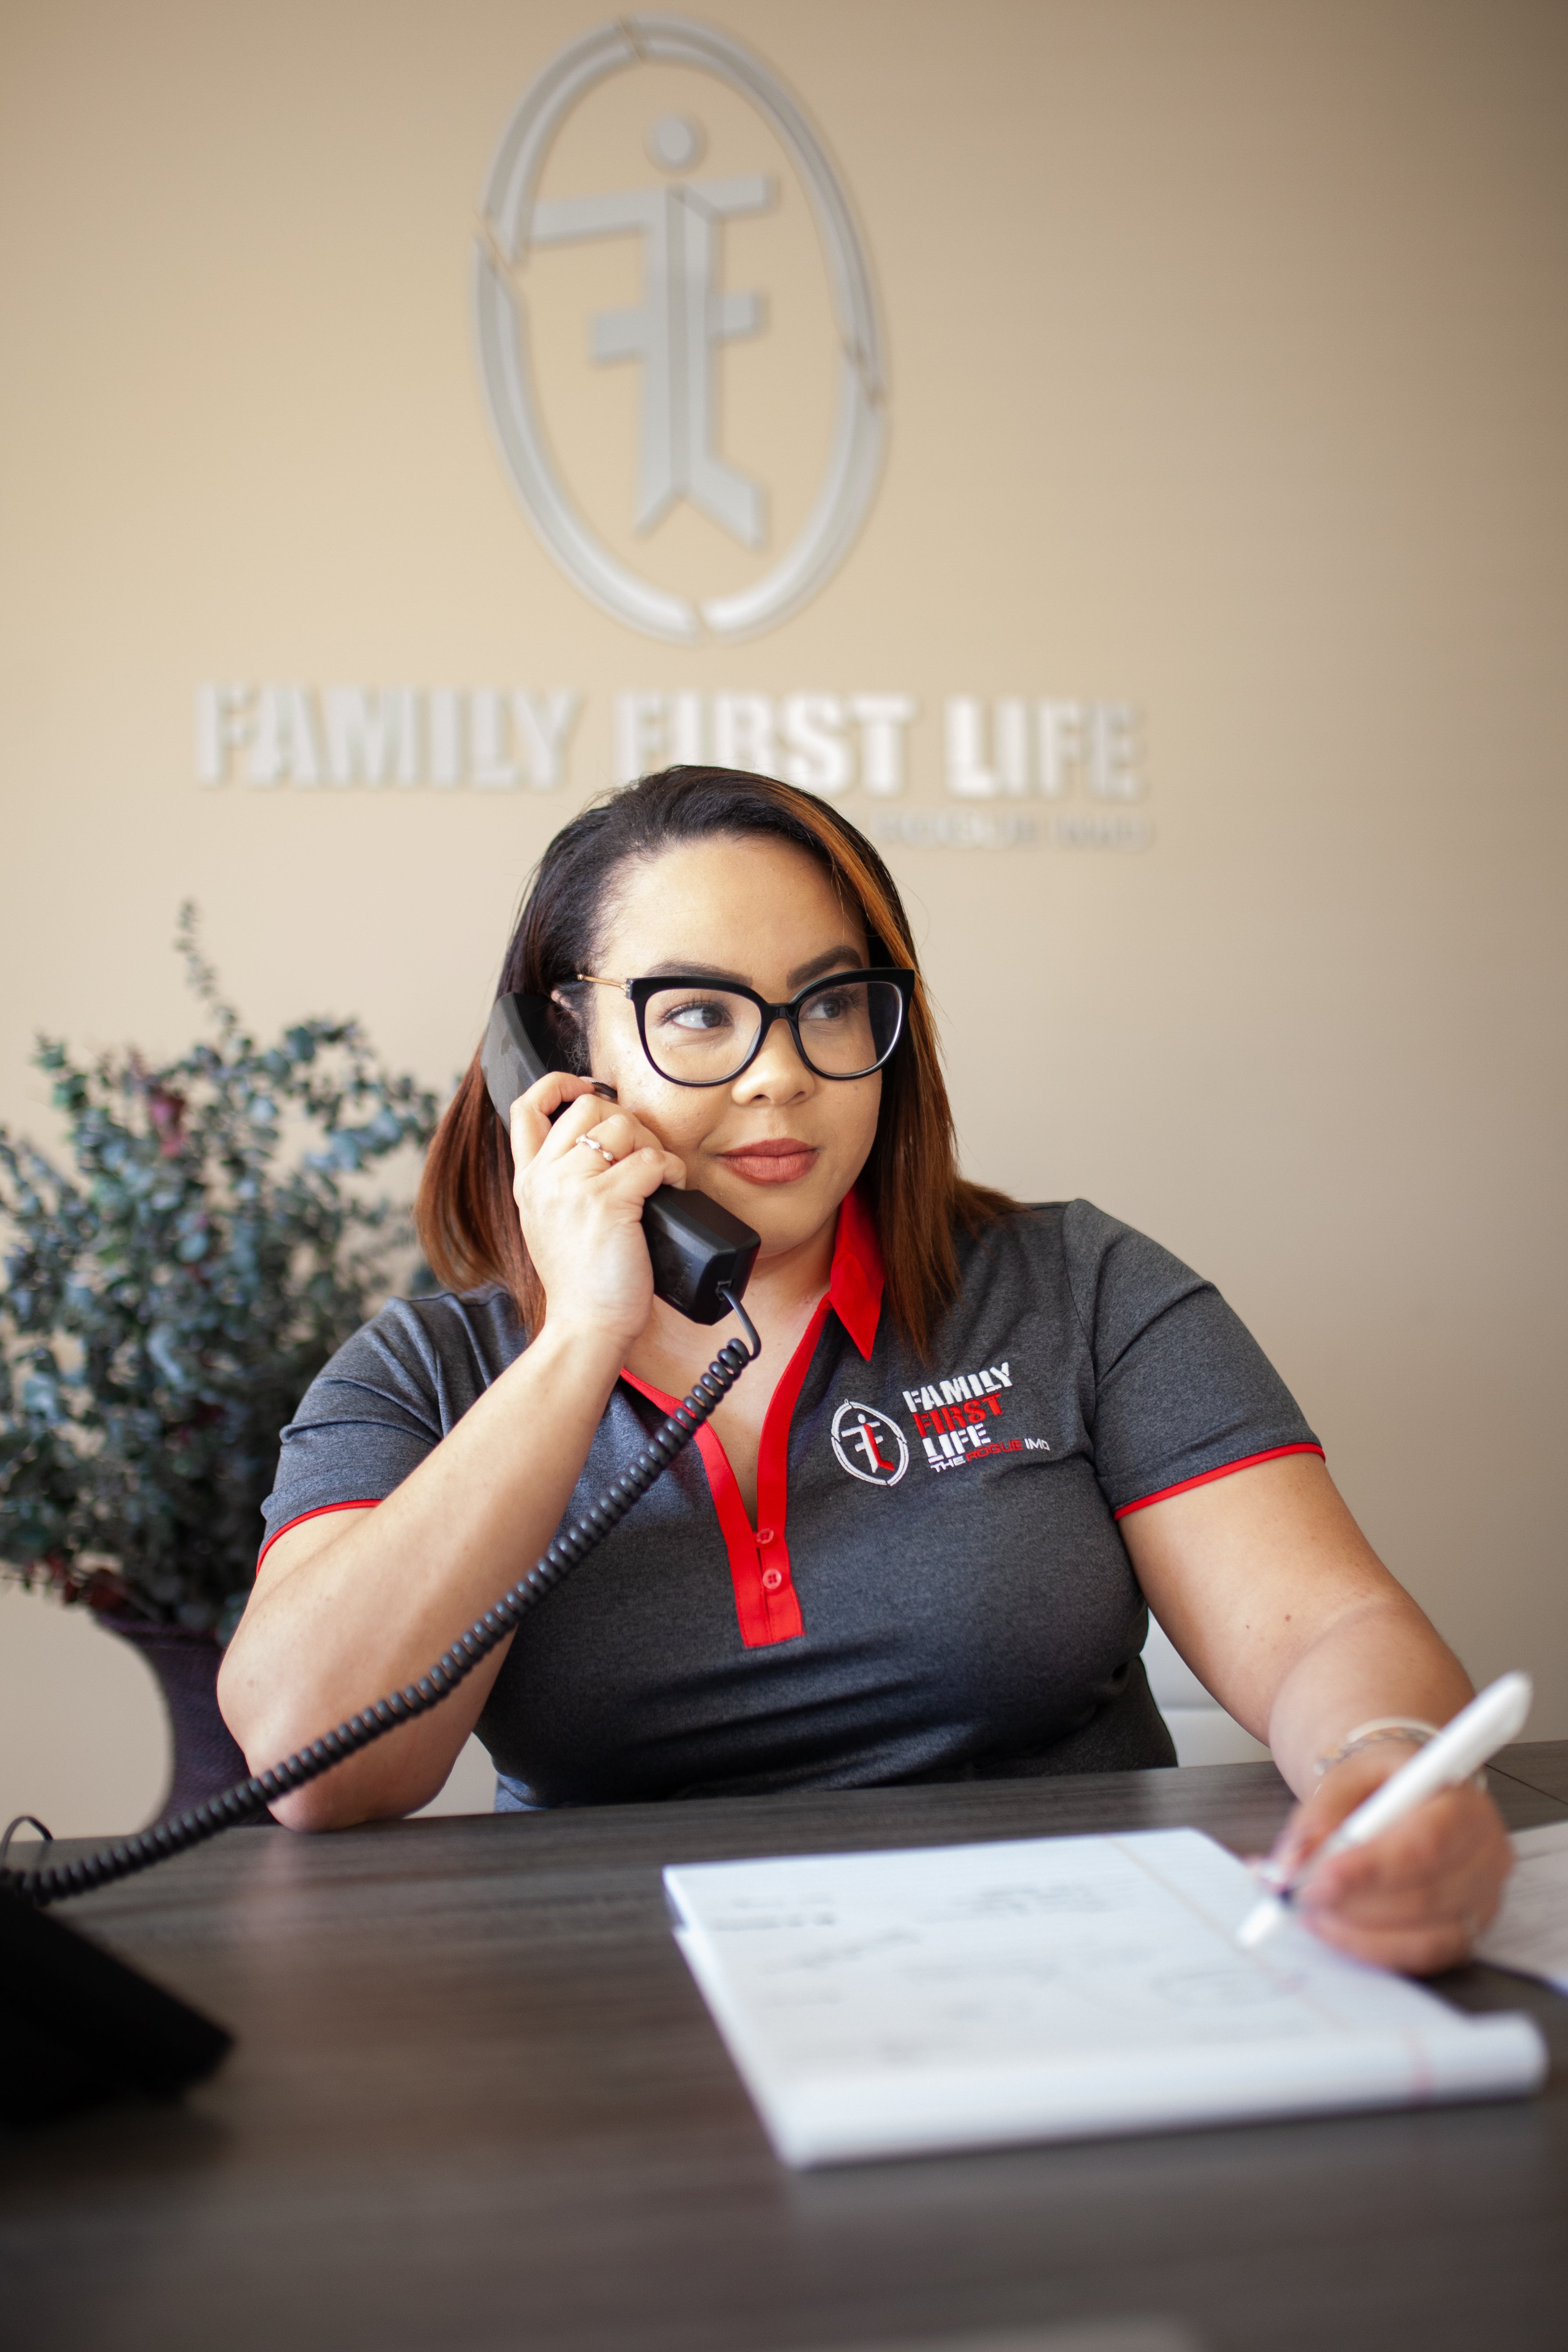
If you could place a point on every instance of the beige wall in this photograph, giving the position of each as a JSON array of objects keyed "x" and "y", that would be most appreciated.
[{"x": 1226, "y": 348}]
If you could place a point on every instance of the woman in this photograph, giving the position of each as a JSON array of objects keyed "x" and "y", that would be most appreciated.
[{"x": 917, "y": 1539}]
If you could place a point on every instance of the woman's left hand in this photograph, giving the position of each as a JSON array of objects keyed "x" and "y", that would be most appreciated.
[{"x": 1416, "y": 1897}]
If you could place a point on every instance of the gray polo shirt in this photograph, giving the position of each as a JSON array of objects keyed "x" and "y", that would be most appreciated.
[{"x": 934, "y": 1587}]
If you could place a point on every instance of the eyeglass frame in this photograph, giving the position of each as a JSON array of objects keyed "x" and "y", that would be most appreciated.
[{"x": 638, "y": 992}]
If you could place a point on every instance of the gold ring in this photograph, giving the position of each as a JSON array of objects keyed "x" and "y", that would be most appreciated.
[{"x": 603, "y": 1150}]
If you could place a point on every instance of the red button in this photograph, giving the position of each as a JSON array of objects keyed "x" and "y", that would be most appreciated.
[
  {"x": 771, "y": 1578},
  {"x": 764, "y": 1535}
]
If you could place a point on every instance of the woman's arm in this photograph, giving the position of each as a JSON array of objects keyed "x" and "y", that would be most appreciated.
[
  {"x": 353, "y": 1606},
  {"x": 1274, "y": 1597}
]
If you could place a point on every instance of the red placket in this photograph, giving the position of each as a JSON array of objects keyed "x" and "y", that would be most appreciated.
[{"x": 767, "y": 1607}]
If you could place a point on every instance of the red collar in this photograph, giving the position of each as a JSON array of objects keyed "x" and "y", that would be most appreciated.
[{"x": 855, "y": 1285}]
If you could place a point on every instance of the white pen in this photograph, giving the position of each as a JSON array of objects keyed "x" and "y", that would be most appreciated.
[{"x": 1458, "y": 1750}]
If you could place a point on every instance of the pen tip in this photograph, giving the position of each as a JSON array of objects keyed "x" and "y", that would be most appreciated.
[{"x": 1259, "y": 1923}]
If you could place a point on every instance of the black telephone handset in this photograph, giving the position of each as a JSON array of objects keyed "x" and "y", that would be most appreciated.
[{"x": 697, "y": 1248}]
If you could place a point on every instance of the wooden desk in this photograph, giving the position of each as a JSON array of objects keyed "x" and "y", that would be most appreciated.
[{"x": 477, "y": 2103}]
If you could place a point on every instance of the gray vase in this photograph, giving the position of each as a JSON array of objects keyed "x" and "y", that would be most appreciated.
[{"x": 206, "y": 1759}]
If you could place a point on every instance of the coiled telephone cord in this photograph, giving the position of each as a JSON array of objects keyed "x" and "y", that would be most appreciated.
[{"x": 52, "y": 1884}]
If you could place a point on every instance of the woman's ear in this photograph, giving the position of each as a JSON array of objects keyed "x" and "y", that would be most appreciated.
[{"x": 569, "y": 1029}]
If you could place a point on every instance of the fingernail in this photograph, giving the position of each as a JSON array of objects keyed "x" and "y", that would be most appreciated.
[{"x": 608, "y": 1093}]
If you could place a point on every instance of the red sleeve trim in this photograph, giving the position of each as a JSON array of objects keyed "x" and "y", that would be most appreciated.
[
  {"x": 1203, "y": 1477},
  {"x": 364, "y": 1502}
]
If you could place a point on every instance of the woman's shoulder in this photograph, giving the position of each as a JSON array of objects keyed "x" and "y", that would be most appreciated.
[
  {"x": 1102, "y": 1262},
  {"x": 487, "y": 1316},
  {"x": 1048, "y": 1230},
  {"x": 435, "y": 1340}
]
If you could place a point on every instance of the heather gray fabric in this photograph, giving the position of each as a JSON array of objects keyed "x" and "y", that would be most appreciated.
[{"x": 976, "y": 1614}]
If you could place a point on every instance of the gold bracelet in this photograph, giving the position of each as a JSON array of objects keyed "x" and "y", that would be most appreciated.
[
  {"x": 1368, "y": 1735},
  {"x": 1380, "y": 1727}
]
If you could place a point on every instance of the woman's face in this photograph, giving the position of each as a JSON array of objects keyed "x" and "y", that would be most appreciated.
[{"x": 778, "y": 1146}]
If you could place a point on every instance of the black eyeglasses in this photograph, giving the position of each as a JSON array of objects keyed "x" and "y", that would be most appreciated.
[{"x": 699, "y": 1033}]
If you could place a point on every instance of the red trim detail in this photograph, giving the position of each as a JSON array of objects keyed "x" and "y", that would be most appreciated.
[
  {"x": 1183, "y": 1486},
  {"x": 763, "y": 1616},
  {"x": 773, "y": 1470},
  {"x": 365, "y": 1503},
  {"x": 765, "y": 1612},
  {"x": 855, "y": 1285},
  {"x": 767, "y": 1607}
]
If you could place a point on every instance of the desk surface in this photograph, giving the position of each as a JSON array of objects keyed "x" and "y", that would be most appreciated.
[{"x": 477, "y": 2102}]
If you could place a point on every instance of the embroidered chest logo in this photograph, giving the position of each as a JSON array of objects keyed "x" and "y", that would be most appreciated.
[
  {"x": 869, "y": 1446},
  {"x": 957, "y": 1419}
]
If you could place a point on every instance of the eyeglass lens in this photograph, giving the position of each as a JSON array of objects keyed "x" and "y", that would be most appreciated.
[{"x": 701, "y": 1036}]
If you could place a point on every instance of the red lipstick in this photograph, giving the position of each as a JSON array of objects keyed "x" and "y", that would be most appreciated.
[{"x": 780, "y": 1160}]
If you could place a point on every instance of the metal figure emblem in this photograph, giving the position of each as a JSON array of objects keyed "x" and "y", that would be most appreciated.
[{"x": 676, "y": 334}]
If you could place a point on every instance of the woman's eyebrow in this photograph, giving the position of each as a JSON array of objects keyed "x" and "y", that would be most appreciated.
[
  {"x": 683, "y": 967},
  {"x": 840, "y": 955}
]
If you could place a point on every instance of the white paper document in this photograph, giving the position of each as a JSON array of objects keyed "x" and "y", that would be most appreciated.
[
  {"x": 1530, "y": 1933},
  {"x": 883, "y": 2004}
]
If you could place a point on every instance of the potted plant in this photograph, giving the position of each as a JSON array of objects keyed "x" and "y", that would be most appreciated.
[{"x": 164, "y": 1310}]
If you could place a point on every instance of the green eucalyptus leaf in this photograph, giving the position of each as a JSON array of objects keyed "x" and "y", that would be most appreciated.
[
  {"x": 197, "y": 1278},
  {"x": 41, "y": 1396}
]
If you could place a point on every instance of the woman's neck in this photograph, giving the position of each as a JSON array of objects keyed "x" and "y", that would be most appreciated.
[{"x": 781, "y": 1297}]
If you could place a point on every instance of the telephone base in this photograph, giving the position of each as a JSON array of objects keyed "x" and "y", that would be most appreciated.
[{"x": 77, "y": 2025}]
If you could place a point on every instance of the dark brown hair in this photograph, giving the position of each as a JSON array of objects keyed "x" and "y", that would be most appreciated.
[{"x": 466, "y": 1216}]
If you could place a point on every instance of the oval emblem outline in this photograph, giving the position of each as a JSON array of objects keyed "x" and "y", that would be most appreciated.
[
  {"x": 859, "y": 429},
  {"x": 881, "y": 1423}
]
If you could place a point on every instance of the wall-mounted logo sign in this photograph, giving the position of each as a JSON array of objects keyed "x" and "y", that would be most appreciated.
[
  {"x": 1065, "y": 771},
  {"x": 676, "y": 334}
]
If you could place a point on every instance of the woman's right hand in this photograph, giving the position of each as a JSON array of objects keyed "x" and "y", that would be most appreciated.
[
  {"x": 579, "y": 1204},
  {"x": 360, "y": 1600}
]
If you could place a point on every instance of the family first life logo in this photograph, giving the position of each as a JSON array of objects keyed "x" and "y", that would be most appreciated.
[
  {"x": 1062, "y": 767},
  {"x": 678, "y": 330},
  {"x": 868, "y": 1445},
  {"x": 956, "y": 1420},
  {"x": 1011, "y": 761}
]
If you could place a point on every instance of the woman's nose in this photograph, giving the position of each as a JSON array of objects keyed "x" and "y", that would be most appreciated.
[{"x": 778, "y": 1070}]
